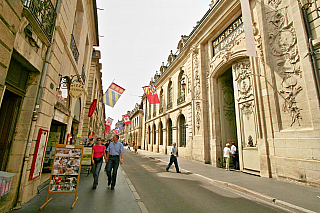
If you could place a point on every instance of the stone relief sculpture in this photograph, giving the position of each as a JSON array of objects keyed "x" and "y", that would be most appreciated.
[
  {"x": 274, "y": 3},
  {"x": 197, "y": 89},
  {"x": 198, "y": 115},
  {"x": 283, "y": 45},
  {"x": 228, "y": 108},
  {"x": 242, "y": 75}
]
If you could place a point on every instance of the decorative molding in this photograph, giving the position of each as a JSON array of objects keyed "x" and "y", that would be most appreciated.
[
  {"x": 283, "y": 45},
  {"x": 274, "y": 3},
  {"x": 198, "y": 115},
  {"x": 242, "y": 75}
]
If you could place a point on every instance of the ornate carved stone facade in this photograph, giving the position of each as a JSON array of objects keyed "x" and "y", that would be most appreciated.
[{"x": 264, "y": 103}]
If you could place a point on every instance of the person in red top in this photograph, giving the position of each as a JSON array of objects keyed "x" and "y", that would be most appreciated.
[{"x": 98, "y": 152}]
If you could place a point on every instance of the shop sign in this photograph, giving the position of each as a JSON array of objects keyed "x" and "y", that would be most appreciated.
[
  {"x": 61, "y": 117},
  {"x": 76, "y": 90},
  {"x": 228, "y": 36}
]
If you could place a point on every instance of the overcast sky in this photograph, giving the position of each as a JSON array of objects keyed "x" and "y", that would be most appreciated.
[{"x": 137, "y": 37}]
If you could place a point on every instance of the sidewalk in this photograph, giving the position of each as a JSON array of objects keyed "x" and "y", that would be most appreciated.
[
  {"x": 296, "y": 197},
  {"x": 121, "y": 199}
]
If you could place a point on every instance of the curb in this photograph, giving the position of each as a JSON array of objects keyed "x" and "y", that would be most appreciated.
[
  {"x": 258, "y": 195},
  {"x": 135, "y": 193}
]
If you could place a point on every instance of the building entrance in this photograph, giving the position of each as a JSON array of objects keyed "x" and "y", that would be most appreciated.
[
  {"x": 8, "y": 116},
  {"x": 227, "y": 109},
  {"x": 238, "y": 115}
]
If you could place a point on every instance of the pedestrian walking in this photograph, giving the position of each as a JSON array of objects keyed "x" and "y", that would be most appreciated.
[
  {"x": 226, "y": 155},
  {"x": 114, "y": 157},
  {"x": 135, "y": 146},
  {"x": 98, "y": 152},
  {"x": 106, "y": 145},
  {"x": 235, "y": 156},
  {"x": 173, "y": 158}
]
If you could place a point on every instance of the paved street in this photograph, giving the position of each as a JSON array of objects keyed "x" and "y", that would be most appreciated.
[
  {"x": 144, "y": 186},
  {"x": 163, "y": 191}
]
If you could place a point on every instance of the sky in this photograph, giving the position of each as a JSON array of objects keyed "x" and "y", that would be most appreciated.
[{"x": 136, "y": 36}]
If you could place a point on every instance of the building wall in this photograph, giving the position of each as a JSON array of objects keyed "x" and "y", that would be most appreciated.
[
  {"x": 268, "y": 104},
  {"x": 23, "y": 40}
]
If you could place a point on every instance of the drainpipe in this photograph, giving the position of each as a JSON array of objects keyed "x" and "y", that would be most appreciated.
[
  {"x": 23, "y": 176},
  {"x": 312, "y": 55}
]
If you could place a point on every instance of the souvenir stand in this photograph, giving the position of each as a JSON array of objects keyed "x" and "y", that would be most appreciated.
[
  {"x": 5, "y": 183},
  {"x": 65, "y": 172}
]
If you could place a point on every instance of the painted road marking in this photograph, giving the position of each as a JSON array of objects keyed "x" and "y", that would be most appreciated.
[{"x": 149, "y": 168}]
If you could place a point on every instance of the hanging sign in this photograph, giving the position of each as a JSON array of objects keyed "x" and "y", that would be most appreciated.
[{"x": 76, "y": 90}]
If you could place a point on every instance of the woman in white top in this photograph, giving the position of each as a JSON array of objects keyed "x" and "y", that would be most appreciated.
[{"x": 226, "y": 155}]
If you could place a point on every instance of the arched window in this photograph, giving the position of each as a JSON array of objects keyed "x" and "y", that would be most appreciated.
[
  {"x": 170, "y": 95},
  {"x": 161, "y": 133},
  {"x": 154, "y": 134},
  {"x": 161, "y": 101},
  {"x": 169, "y": 132},
  {"x": 183, "y": 131},
  {"x": 181, "y": 88}
]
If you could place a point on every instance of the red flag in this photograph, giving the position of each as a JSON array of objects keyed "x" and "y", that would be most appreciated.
[
  {"x": 151, "y": 94},
  {"x": 126, "y": 119},
  {"x": 107, "y": 128},
  {"x": 92, "y": 107}
]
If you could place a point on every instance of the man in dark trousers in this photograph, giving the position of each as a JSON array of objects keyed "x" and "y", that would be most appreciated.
[
  {"x": 173, "y": 158},
  {"x": 106, "y": 145},
  {"x": 115, "y": 152}
]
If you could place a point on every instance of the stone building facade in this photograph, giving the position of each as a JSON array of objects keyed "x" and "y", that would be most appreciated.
[
  {"x": 94, "y": 126},
  {"x": 211, "y": 92},
  {"x": 45, "y": 55},
  {"x": 133, "y": 131}
]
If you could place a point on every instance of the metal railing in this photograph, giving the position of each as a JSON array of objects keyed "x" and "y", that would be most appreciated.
[
  {"x": 44, "y": 13},
  {"x": 74, "y": 48}
]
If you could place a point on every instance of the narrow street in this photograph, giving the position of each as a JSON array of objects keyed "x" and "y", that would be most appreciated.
[{"x": 163, "y": 191}]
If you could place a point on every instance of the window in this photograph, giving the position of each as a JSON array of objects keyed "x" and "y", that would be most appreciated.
[
  {"x": 154, "y": 134},
  {"x": 182, "y": 131},
  {"x": 161, "y": 133},
  {"x": 149, "y": 135},
  {"x": 169, "y": 132},
  {"x": 181, "y": 81},
  {"x": 154, "y": 110},
  {"x": 170, "y": 95}
]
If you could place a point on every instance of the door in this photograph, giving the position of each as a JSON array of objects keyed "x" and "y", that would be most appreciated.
[
  {"x": 8, "y": 117},
  {"x": 246, "y": 116}
]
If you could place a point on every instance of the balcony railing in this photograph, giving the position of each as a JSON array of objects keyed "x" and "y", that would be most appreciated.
[
  {"x": 44, "y": 13},
  {"x": 161, "y": 110},
  {"x": 169, "y": 106},
  {"x": 181, "y": 100},
  {"x": 74, "y": 48}
]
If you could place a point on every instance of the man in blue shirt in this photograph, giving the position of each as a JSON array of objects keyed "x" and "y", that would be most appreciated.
[
  {"x": 115, "y": 152},
  {"x": 173, "y": 158}
]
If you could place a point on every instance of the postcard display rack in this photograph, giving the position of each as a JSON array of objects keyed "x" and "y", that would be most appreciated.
[
  {"x": 5, "y": 183},
  {"x": 65, "y": 172}
]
